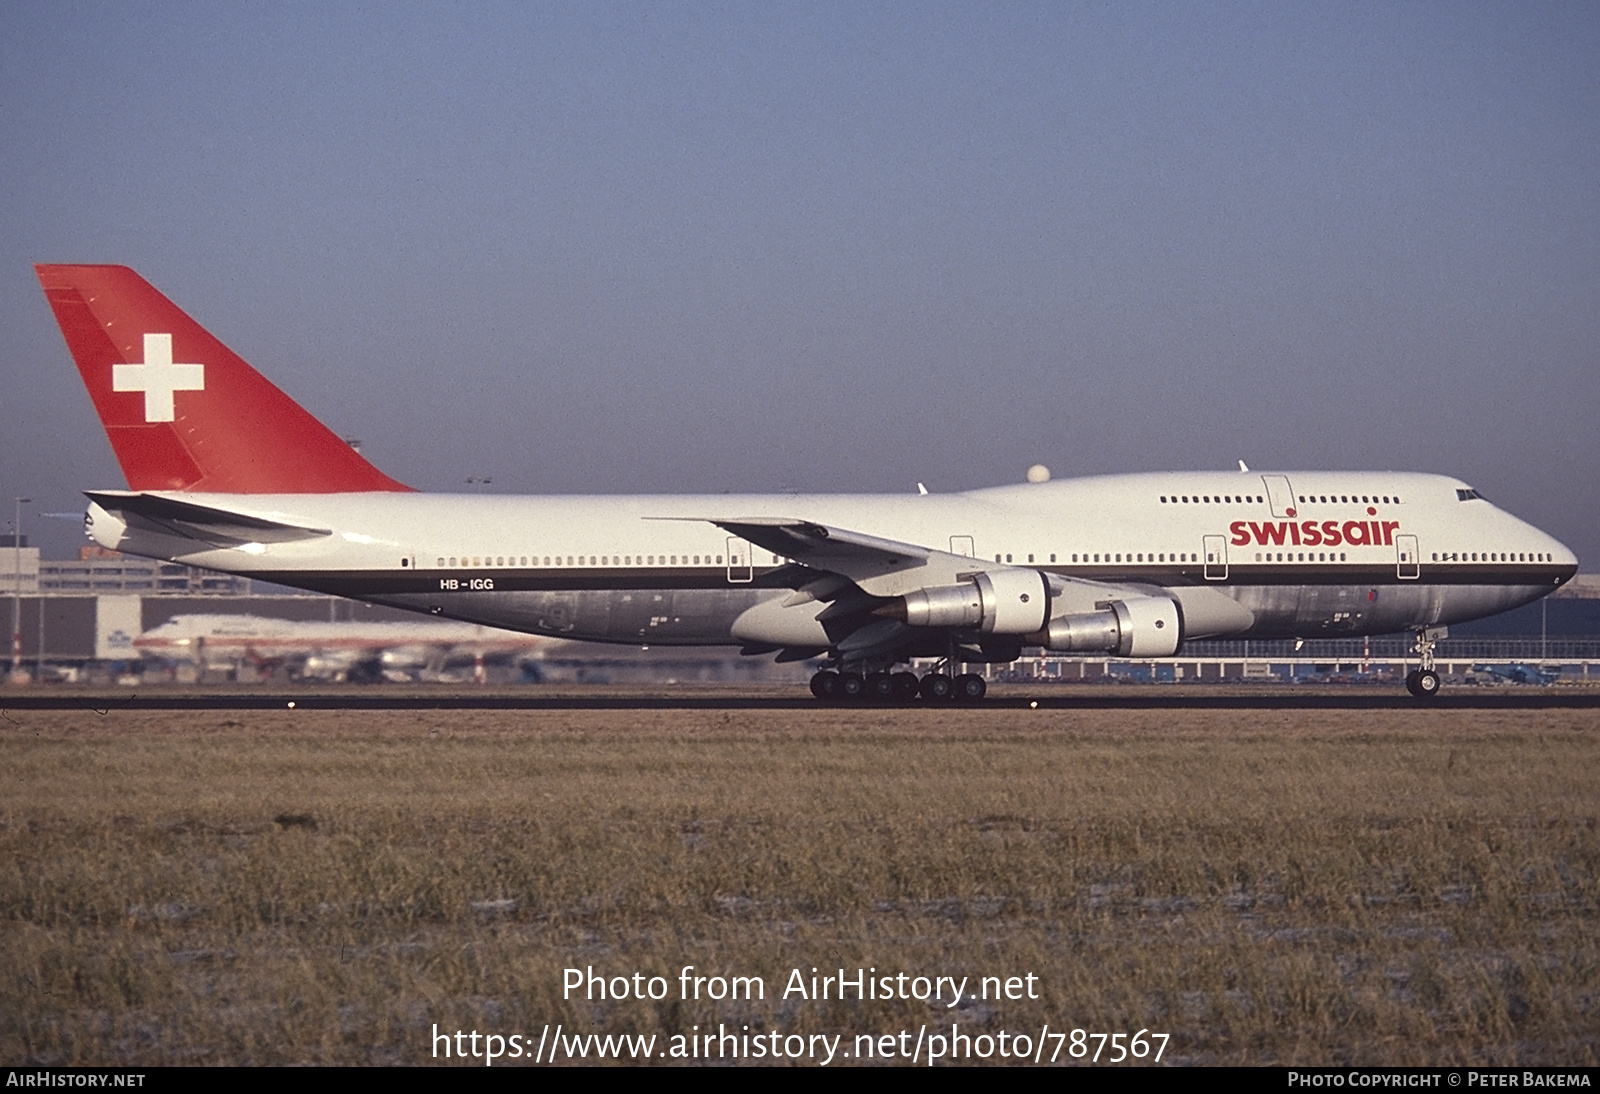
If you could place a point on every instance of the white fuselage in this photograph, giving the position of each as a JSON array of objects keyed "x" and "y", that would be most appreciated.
[{"x": 1303, "y": 554}]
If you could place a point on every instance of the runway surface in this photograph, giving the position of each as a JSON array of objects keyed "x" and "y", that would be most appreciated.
[{"x": 782, "y": 697}]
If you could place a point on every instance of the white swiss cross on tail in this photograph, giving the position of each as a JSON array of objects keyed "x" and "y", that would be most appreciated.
[{"x": 158, "y": 378}]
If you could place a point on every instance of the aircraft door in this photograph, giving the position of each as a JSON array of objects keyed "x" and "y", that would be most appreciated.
[
  {"x": 741, "y": 560},
  {"x": 1408, "y": 563},
  {"x": 1280, "y": 495},
  {"x": 1216, "y": 558},
  {"x": 964, "y": 546}
]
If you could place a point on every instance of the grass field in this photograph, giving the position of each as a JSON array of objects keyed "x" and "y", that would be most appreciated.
[{"x": 1308, "y": 887}]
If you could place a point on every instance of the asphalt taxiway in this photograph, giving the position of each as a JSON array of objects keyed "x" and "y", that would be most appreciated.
[{"x": 1003, "y": 697}]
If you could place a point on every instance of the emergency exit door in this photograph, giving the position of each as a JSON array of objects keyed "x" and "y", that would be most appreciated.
[
  {"x": 1407, "y": 562},
  {"x": 1216, "y": 556},
  {"x": 741, "y": 560},
  {"x": 1280, "y": 495}
]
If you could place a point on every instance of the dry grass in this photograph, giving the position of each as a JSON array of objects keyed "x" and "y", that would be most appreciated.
[{"x": 1311, "y": 887}]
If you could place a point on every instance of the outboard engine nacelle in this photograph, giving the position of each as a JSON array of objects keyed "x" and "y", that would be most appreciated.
[
  {"x": 1001, "y": 602},
  {"x": 1140, "y": 626}
]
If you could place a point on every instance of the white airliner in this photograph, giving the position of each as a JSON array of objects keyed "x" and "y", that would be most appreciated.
[
  {"x": 227, "y": 472},
  {"x": 392, "y": 649}
]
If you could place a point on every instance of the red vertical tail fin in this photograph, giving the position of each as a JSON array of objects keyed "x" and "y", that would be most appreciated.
[{"x": 182, "y": 411}]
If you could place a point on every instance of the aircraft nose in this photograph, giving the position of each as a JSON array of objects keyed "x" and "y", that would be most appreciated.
[
  {"x": 1562, "y": 553},
  {"x": 1566, "y": 559}
]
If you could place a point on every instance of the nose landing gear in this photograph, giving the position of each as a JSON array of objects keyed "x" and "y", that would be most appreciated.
[{"x": 1423, "y": 682}]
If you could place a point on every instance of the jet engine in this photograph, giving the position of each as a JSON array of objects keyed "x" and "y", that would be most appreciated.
[
  {"x": 1001, "y": 602},
  {"x": 1138, "y": 626}
]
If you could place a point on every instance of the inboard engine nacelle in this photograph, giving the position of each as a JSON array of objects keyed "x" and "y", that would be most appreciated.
[
  {"x": 1138, "y": 626},
  {"x": 1001, "y": 602}
]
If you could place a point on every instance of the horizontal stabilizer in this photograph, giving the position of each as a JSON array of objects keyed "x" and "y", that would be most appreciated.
[{"x": 188, "y": 520}]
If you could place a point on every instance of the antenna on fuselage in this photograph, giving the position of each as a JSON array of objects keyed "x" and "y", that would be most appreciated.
[{"x": 1242, "y": 467}]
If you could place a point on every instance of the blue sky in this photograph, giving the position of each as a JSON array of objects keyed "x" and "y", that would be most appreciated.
[{"x": 637, "y": 248}]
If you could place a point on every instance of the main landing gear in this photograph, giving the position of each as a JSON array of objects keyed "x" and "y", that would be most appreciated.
[
  {"x": 1423, "y": 682},
  {"x": 897, "y": 687}
]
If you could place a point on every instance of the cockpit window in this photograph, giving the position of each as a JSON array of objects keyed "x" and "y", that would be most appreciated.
[{"x": 1469, "y": 495}]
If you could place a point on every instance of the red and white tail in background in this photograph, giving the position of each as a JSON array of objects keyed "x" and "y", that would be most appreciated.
[{"x": 184, "y": 412}]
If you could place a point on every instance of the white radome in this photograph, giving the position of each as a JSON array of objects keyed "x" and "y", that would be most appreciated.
[{"x": 1038, "y": 473}]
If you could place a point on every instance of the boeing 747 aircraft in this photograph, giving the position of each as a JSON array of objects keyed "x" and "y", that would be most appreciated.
[
  {"x": 337, "y": 651},
  {"x": 227, "y": 472}
]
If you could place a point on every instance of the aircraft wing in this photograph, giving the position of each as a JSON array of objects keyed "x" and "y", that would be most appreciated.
[
  {"x": 187, "y": 520},
  {"x": 878, "y": 566},
  {"x": 886, "y": 596}
]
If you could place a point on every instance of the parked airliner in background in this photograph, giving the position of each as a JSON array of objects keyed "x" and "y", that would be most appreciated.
[
  {"x": 393, "y": 650},
  {"x": 227, "y": 472}
]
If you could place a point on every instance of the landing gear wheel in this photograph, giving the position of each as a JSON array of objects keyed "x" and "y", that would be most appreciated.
[
  {"x": 825, "y": 685},
  {"x": 970, "y": 687},
  {"x": 1422, "y": 681},
  {"x": 880, "y": 687},
  {"x": 905, "y": 686},
  {"x": 1423, "y": 684},
  {"x": 851, "y": 685},
  {"x": 936, "y": 686}
]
